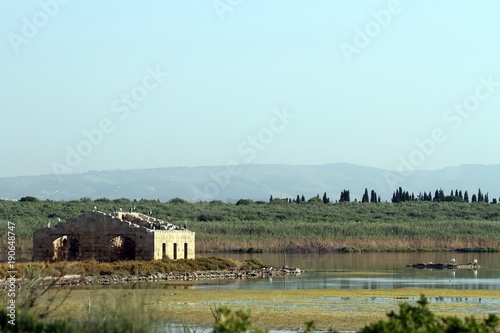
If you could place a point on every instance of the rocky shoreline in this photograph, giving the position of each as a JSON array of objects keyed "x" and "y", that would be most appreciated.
[
  {"x": 114, "y": 279},
  {"x": 470, "y": 266}
]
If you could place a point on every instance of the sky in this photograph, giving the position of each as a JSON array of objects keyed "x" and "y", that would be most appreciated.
[{"x": 99, "y": 85}]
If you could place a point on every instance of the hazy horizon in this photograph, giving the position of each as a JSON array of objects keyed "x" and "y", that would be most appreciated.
[
  {"x": 251, "y": 164},
  {"x": 129, "y": 85},
  {"x": 254, "y": 181}
]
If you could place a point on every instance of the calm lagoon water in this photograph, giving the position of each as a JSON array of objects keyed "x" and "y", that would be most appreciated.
[
  {"x": 373, "y": 271},
  {"x": 369, "y": 271}
]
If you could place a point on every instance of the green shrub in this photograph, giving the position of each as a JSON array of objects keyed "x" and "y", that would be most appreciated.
[
  {"x": 244, "y": 202},
  {"x": 420, "y": 319},
  {"x": 253, "y": 263},
  {"x": 28, "y": 323},
  {"x": 230, "y": 321}
]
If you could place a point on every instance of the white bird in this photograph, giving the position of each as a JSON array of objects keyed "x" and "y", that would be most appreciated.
[
  {"x": 474, "y": 261},
  {"x": 48, "y": 225},
  {"x": 452, "y": 260}
]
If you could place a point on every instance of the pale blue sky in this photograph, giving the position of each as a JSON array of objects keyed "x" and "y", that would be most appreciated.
[{"x": 229, "y": 75}]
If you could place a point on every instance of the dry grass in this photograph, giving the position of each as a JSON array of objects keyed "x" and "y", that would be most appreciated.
[{"x": 131, "y": 267}]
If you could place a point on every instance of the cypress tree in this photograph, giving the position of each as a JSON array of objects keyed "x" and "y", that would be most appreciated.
[
  {"x": 345, "y": 196},
  {"x": 365, "y": 196},
  {"x": 398, "y": 196},
  {"x": 325, "y": 199},
  {"x": 480, "y": 197},
  {"x": 441, "y": 195}
]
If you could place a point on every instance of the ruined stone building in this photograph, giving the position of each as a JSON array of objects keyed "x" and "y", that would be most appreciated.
[{"x": 106, "y": 237}]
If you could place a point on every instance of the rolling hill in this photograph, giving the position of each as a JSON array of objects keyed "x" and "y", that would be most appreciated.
[{"x": 251, "y": 181}]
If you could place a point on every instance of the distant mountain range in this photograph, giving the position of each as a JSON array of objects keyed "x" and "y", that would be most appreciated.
[{"x": 251, "y": 181}]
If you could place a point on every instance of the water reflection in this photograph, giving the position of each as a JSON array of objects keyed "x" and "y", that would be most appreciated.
[{"x": 371, "y": 271}]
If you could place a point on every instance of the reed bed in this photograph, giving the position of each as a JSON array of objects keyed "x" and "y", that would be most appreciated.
[{"x": 279, "y": 226}]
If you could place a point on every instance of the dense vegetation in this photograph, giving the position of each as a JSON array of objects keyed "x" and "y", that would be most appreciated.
[{"x": 315, "y": 224}]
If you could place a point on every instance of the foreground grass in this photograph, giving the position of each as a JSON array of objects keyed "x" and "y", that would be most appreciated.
[
  {"x": 151, "y": 307},
  {"x": 272, "y": 309}
]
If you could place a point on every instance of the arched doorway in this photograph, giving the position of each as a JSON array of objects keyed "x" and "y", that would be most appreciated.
[
  {"x": 66, "y": 247},
  {"x": 121, "y": 248}
]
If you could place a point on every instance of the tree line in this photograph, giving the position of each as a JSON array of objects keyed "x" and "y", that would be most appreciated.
[
  {"x": 439, "y": 196},
  {"x": 399, "y": 195}
]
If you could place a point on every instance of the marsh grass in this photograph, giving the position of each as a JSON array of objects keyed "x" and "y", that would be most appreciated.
[
  {"x": 124, "y": 268},
  {"x": 115, "y": 315},
  {"x": 279, "y": 226}
]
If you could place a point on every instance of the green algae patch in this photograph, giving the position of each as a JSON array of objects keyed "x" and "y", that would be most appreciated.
[
  {"x": 283, "y": 309},
  {"x": 361, "y": 273}
]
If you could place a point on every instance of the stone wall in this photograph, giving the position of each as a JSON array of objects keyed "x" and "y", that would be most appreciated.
[
  {"x": 104, "y": 237},
  {"x": 174, "y": 244}
]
